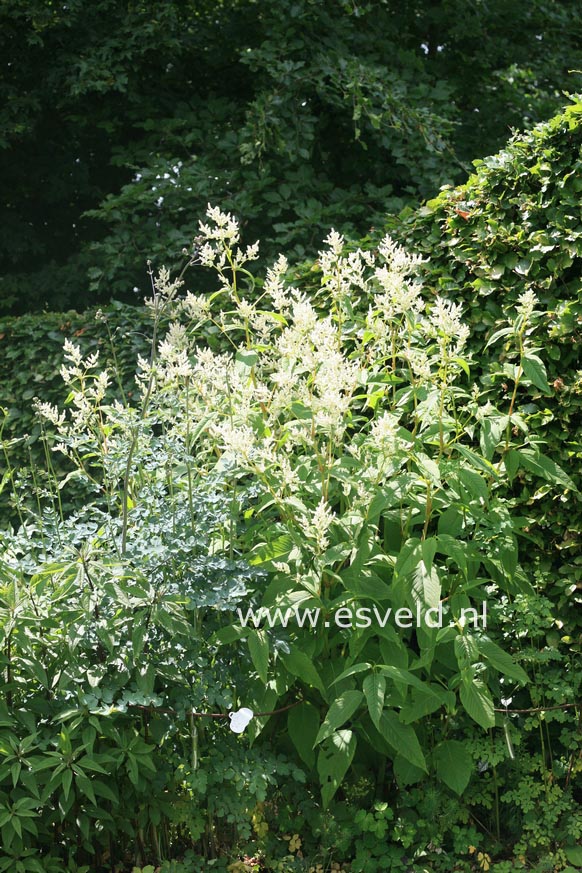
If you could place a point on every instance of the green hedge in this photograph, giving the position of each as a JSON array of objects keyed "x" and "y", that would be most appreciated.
[
  {"x": 517, "y": 224},
  {"x": 31, "y": 356}
]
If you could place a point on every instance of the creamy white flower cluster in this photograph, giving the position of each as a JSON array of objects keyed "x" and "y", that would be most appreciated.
[
  {"x": 287, "y": 398},
  {"x": 221, "y": 237},
  {"x": 88, "y": 388},
  {"x": 165, "y": 289},
  {"x": 446, "y": 324},
  {"x": 526, "y": 304}
]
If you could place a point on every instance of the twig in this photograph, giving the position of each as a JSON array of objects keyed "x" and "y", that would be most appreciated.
[
  {"x": 538, "y": 709},
  {"x": 211, "y": 714}
]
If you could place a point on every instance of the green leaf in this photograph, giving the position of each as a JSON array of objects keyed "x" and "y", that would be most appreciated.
[
  {"x": 414, "y": 568},
  {"x": 88, "y": 763},
  {"x": 375, "y": 690},
  {"x": 87, "y": 789},
  {"x": 277, "y": 549},
  {"x": 511, "y": 461},
  {"x": 333, "y": 761},
  {"x": 300, "y": 665},
  {"x": 104, "y": 790},
  {"x": 259, "y": 650},
  {"x": 246, "y": 358},
  {"x": 405, "y": 772},
  {"x": 466, "y": 650},
  {"x": 477, "y": 701},
  {"x": 502, "y": 661},
  {"x": 535, "y": 370},
  {"x": 402, "y": 738},
  {"x": 492, "y": 430},
  {"x": 450, "y": 522},
  {"x": 426, "y": 585},
  {"x": 339, "y": 712},
  {"x": 303, "y": 725},
  {"x": 421, "y": 704},
  {"x": 574, "y": 855},
  {"x": 398, "y": 674},
  {"x": 66, "y": 782},
  {"x": 476, "y": 460},
  {"x": 535, "y": 462},
  {"x": 351, "y": 671},
  {"x": 228, "y": 634},
  {"x": 499, "y": 334},
  {"x": 454, "y": 765},
  {"x": 455, "y": 549},
  {"x": 475, "y": 484}
]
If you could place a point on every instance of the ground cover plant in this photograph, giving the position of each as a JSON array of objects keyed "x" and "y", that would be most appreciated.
[{"x": 281, "y": 449}]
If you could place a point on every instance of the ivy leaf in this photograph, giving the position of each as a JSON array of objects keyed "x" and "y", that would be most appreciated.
[{"x": 523, "y": 266}]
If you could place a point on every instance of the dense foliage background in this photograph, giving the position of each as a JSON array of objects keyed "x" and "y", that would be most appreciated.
[
  {"x": 121, "y": 121},
  {"x": 123, "y": 556}
]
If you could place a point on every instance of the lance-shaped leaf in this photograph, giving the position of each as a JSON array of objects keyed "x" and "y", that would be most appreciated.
[
  {"x": 375, "y": 690},
  {"x": 339, "y": 712},
  {"x": 333, "y": 761}
]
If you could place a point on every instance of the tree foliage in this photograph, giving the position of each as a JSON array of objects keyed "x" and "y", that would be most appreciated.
[{"x": 121, "y": 121}]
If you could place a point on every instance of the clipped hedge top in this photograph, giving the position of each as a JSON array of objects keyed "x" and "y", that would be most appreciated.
[{"x": 515, "y": 224}]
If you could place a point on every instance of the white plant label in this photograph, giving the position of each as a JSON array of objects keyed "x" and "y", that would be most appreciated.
[{"x": 240, "y": 719}]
